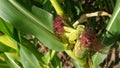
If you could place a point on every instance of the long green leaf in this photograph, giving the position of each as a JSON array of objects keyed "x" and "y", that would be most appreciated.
[
  {"x": 11, "y": 11},
  {"x": 6, "y": 28},
  {"x": 76, "y": 64},
  {"x": 4, "y": 48},
  {"x": 11, "y": 62},
  {"x": 56, "y": 61},
  {"x": 45, "y": 17},
  {"x": 47, "y": 58},
  {"x": 111, "y": 36},
  {"x": 112, "y": 29},
  {"x": 97, "y": 59},
  {"x": 4, "y": 65},
  {"x": 28, "y": 58},
  {"x": 7, "y": 42},
  {"x": 26, "y": 43}
]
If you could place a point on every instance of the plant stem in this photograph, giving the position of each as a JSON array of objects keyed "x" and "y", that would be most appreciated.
[{"x": 57, "y": 7}]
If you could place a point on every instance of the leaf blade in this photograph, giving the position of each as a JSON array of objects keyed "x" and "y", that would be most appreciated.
[
  {"x": 111, "y": 35},
  {"x": 28, "y": 59},
  {"x": 11, "y": 62},
  {"x": 8, "y": 42},
  {"x": 21, "y": 19}
]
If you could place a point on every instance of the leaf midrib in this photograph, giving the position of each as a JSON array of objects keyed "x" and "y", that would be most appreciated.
[
  {"x": 28, "y": 14},
  {"x": 113, "y": 19}
]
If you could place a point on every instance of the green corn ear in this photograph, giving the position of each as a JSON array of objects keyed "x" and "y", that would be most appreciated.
[
  {"x": 74, "y": 34},
  {"x": 80, "y": 53}
]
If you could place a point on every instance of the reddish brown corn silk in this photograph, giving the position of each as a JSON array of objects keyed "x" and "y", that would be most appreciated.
[
  {"x": 58, "y": 25},
  {"x": 89, "y": 40}
]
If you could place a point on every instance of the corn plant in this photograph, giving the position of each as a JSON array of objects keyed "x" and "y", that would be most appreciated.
[{"x": 84, "y": 33}]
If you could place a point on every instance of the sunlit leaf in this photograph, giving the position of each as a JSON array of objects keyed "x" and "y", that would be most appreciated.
[
  {"x": 45, "y": 17},
  {"x": 47, "y": 58},
  {"x": 6, "y": 40},
  {"x": 56, "y": 61},
  {"x": 6, "y": 28},
  {"x": 4, "y": 48},
  {"x": 26, "y": 43},
  {"x": 11, "y": 62},
  {"x": 112, "y": 29},
  {"x": 28, "y": 58},
  {"x": 111, "y": 36},
  {"x": 12, "y": 12},
  {"x": 77, "y": 65},
  {"x": 97, "y": 59}
]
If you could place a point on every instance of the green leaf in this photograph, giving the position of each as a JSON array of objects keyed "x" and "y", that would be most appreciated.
[
  {"x": 72, "y": 55},
  {"x": 97, "y": 59},
  {"x": 113, "y": 31},
  {"x": 45, "y": 17},
  {"x": 111, "y": 36},
  {"x": 7, "y": 42},
  {"x": 3, "y": 64},
  {"x": 28, "y": 58},
  {"x": 6, "y": 28},
  {"x": 47, "y": 58},
  {"x": 56, "y": 61},
  {"x": 11, "y": 62},
  {"x": 5, "y": 48},
  {"x": 76, "y": 64},
  {"x": 12, "y": 12},
  {"x": 26, "y": 43}
]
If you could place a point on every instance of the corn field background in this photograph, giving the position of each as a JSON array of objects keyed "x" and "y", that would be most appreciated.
[{"x": 59, "y": 33}]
